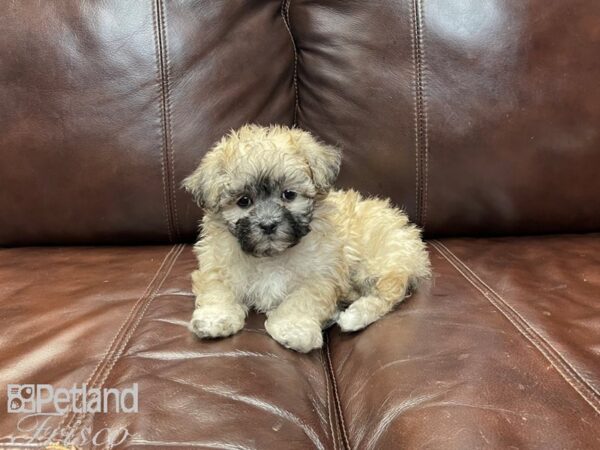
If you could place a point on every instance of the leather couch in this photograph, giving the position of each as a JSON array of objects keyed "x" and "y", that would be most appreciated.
[{"x": 481, "y": 118}]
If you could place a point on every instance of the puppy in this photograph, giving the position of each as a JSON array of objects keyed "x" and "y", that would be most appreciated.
[{"x": 276, "y": 238}]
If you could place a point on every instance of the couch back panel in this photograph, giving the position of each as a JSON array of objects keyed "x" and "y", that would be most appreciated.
[
  {"x": 106, "y": 106},
  {"x": 477, "y": 117},
  {"x": 356, "y": 90},
  {"x": 514, "y": 116}
]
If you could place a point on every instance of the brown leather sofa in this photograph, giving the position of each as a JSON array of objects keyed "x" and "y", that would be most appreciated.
[{"x": 481, "y": 118}]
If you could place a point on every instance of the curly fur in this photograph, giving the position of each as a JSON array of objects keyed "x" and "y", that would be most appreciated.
[{"x": 323, "y": 249}]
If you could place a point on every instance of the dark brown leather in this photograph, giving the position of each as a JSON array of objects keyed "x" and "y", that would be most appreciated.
[
  {"x": 476, "y": 117},
  {"x": 499, "y": 350},
  {"x": 106, "y": 106},
  {"x": 356, "y": 79},
  {"x": 111, "y": 317},
  {"x": 553, "y": 283},
  {"x": 479, "y": 117}
]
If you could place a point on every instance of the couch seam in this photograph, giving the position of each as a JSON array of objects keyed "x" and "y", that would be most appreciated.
[
  {"x": 416, "y": 107},
  {"x": 159, "y": 83},
  {"x": 559, "y": 362},
  {"x": 530, "y": 327},
  {"x": 164, "y": 103},
  {"x": 117, "y": 335},
  {"x": 169, "y": 122},
  {"x": 285, "y": 14},
  {"x": 336, "y": 397},
  {"x": 124, "y": 334},
  {"x": 420, "y": 113},
  {"x": 82, "y": 416},
  {"x": 334, "y": 436}
]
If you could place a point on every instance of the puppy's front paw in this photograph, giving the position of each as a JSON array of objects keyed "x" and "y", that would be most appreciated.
[
  {"x": 302, "y": 335},
  {"x": 216, "y": 321}
]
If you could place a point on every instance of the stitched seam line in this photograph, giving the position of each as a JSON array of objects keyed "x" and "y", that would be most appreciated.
[
  {"x": 110, "y": 349},
  {"x": 416, "y": 108},
  {"x": 526, "y": 324},
  {"x": 568, "y": 372},
  {"x": 159, "y": 78},
  {"x": 169, "y": 121},
  {"x": 425, "y": 124},
  {"x": 285, "y": 14},
  {"x": 421, "y": 128},
  {"x": 334, "y": 436},
  {"x": 165, "y": 114},
  {"x": 82, "y": 417},
  {"x": 116, "y": 343},
  {"x": 120, "y": 337},
  {"x": 336, "y": 397},
  {"x": 524, "y": 321}
]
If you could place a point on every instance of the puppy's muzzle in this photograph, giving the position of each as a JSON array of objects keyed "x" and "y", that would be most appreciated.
[{"x": 268, "y": 228}]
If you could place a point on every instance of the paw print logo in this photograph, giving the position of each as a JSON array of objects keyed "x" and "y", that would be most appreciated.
[{"x": 21, "y": 398}]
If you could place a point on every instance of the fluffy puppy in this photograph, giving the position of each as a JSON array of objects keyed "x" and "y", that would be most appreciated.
[{"x": 276, "y": 238}]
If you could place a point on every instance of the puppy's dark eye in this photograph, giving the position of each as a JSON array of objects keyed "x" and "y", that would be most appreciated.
[
  {"x": 288, "y": 195},
  {"x": 244, "y": 201}
]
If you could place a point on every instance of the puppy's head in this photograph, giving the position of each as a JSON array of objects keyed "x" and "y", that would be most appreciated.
[{"x": 263, "y": 182}]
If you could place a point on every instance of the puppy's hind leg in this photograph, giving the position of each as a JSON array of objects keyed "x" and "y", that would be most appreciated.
[{"x": 389, "y": 290}]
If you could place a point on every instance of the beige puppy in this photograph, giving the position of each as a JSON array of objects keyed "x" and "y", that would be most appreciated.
[{"x": 276, "y": 238}]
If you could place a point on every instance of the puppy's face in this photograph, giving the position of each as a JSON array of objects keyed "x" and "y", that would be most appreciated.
[
  {"x": 263, "y": 183},
  {"x": 270, "y": 213}
]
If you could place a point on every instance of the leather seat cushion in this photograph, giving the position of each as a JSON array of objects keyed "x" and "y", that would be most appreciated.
[{"x": 499, "y": 349}]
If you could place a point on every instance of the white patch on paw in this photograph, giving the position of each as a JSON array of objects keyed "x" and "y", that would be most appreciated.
[
  {"x": 216, "y": 321},
  {"x": 353, "y": 319},
  {"x": 300, "y": 335}
]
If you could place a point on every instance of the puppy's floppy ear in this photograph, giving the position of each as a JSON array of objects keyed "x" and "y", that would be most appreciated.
[
  {"x": 204, "y": 182},
  {"x": 323, "y": 160}
]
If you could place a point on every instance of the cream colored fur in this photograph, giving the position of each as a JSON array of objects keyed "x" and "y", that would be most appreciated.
[{"x": 360, "y": 251}]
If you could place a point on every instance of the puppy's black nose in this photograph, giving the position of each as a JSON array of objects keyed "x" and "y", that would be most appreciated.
[{"x": 268, "y": 228}]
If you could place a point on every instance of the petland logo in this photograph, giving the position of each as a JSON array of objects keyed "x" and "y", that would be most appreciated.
[{"x": 46, "y": 400}]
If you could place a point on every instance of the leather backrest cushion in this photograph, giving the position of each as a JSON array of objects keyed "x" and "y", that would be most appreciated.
[
  {"x": 106, "y": 106},
  {"x": 477, "y": 117}
]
